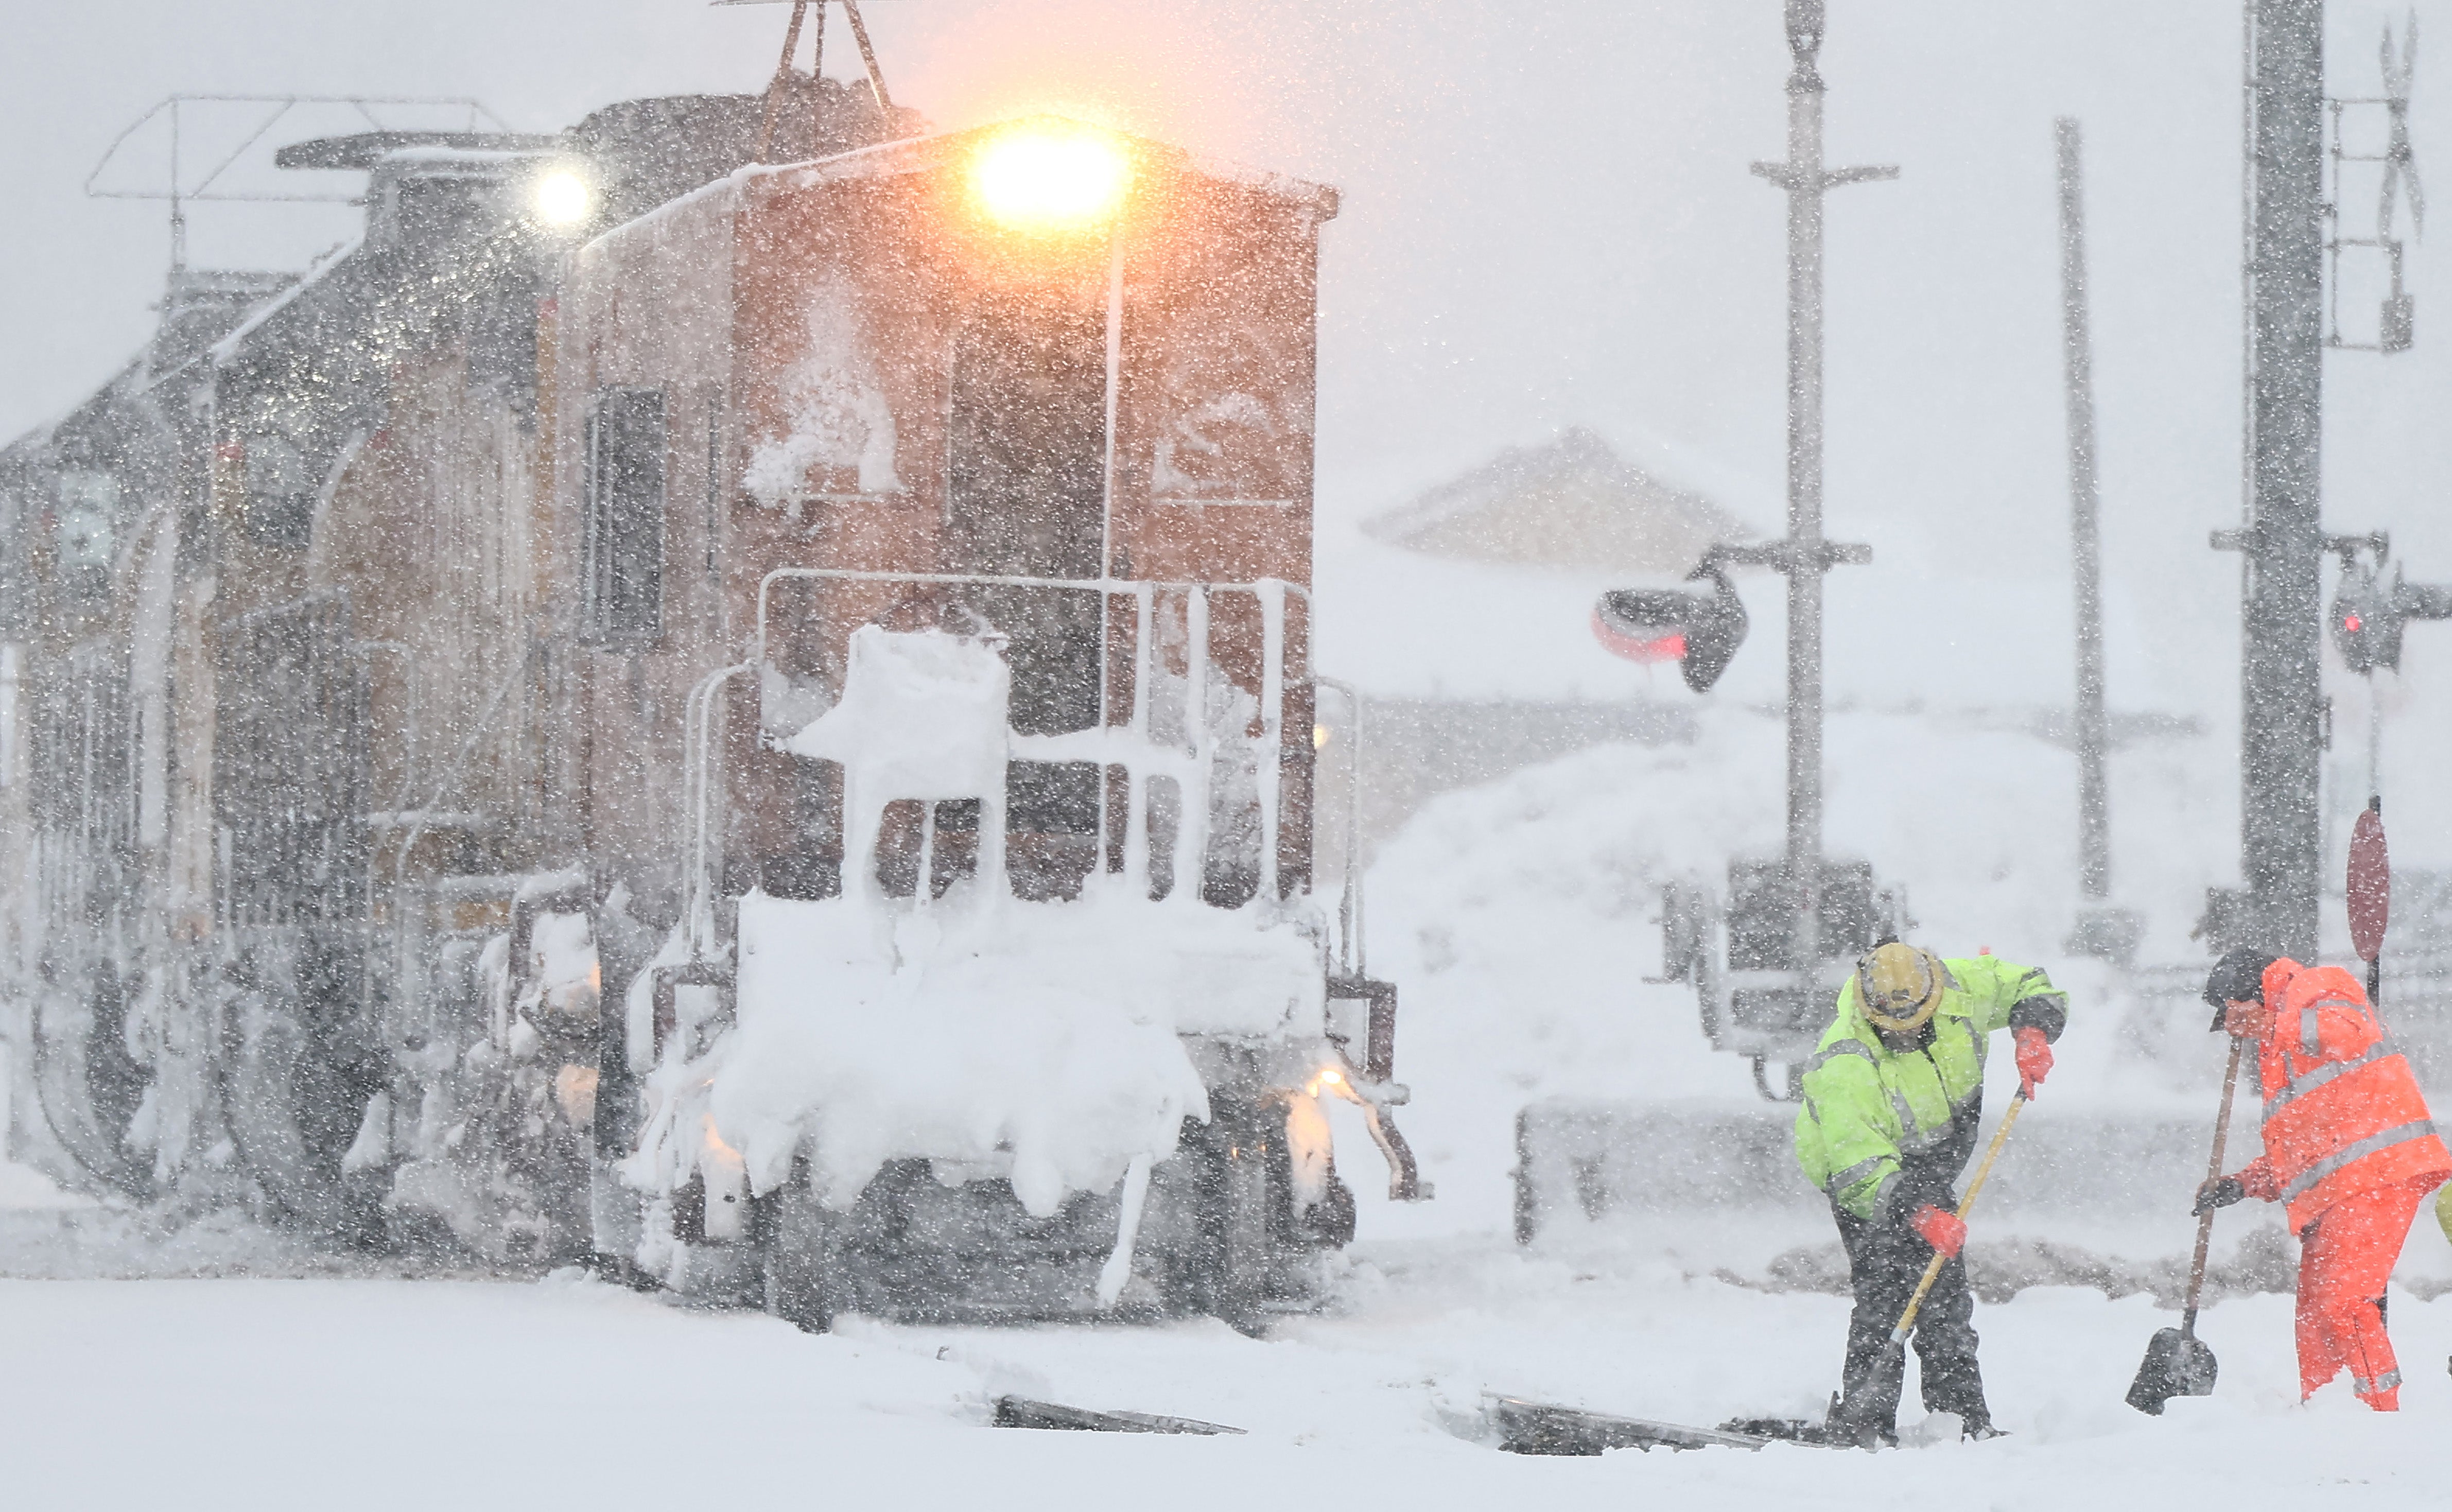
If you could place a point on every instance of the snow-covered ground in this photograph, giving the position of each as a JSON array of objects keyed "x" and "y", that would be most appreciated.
[
  {"x": 1517, "y": 917},
  {"x": 378, "y": 1394}
]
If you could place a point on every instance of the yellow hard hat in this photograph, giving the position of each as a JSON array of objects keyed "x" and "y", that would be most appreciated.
[{"x": 1899, "y": 986}]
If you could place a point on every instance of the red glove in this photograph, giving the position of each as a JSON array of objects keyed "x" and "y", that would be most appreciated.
[
  {"x": 2256, "y": 1179},
  {"x": 2034, "y": 1058},
  {"x": 1940, "y": 1229}
]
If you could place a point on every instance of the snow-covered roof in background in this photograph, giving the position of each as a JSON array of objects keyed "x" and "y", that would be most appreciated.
[{"x": 1572, "y": 502}]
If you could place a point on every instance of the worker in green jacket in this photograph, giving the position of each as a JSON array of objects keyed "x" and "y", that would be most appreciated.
[{"x": 1891, "y": 1101}]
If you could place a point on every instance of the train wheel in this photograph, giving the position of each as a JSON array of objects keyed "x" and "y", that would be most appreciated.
[
  {"x": 800, "y": 1257},
  {"x": 1246, "y": 1256},
  {"x": 1230, "y": 1269},
  {"x": 295, "y": 1108}
]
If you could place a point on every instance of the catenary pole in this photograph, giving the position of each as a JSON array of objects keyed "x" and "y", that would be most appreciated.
[
  {"x": 2085, "y": 523},
  {"x": 2281, "y": 715}
]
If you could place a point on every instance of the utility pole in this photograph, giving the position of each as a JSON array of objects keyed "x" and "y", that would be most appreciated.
[
  {"x": 2085, "y": 525},
  {"x": 2281, "y": 705},
  {"x": 1805, "y": 556}
]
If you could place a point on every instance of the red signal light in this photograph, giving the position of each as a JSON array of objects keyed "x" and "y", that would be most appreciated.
[
  {"x": 1698, "y": 630},
  {"x": 2350, "y": 623},
  {"x": 1668, "y": 647}
]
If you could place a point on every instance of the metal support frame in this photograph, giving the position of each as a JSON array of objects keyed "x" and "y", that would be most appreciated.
[
  {"x": 2396, "y": 319},
  {"x": 181, "y": 194},
  {"x": 1377, "y": 1061},
  {"x": 776, "y": 87},
  {"x": 664, "y": 1002},
  {"x": 1804, "y": 556}
]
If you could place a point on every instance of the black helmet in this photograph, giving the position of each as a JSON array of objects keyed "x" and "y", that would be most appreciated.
[{"x": 2238, "y": 977}]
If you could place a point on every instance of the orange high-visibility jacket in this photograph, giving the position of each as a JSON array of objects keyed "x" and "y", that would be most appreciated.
[{"x": 2342, "y": 1112}]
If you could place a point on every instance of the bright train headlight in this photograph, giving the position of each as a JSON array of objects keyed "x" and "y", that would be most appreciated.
[
  {"x": 562, "y": 198},
  {"x": 1044, "y": 176}
]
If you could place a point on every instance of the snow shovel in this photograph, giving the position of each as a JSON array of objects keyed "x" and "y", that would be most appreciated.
[
  {"x": 2177, "y": 1362},
  {"x": 1835, "y": 1429}
]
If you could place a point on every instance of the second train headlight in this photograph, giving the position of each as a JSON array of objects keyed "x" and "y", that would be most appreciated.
[{"x": 562, "y": 198}]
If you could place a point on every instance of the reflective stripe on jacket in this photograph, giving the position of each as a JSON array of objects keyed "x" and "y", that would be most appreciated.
[
  {"x": 2342, "y": 1112},
  {"x": 1868, "y": 1111}
]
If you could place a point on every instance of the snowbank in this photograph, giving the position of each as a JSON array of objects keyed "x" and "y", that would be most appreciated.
[{"x": 1520, "y": 919}]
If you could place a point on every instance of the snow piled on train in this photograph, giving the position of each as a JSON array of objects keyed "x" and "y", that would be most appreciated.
[
  {"x": 834, "y": 400},
  {"x": 1040, "y": 1042}
]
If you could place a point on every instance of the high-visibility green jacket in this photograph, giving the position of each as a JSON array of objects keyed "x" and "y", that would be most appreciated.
[{"x": 1885, "y": 1131}]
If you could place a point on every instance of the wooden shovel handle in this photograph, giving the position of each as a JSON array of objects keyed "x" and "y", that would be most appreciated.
[
  {"x": 1966, "y": 1204},
  {"x": 2213, "y": 1173}
]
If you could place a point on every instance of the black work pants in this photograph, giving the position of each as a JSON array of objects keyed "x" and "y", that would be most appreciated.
[{"x": 1885, "y": 1262}]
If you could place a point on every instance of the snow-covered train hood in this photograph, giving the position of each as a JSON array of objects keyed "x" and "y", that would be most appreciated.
[{"x": 1042, "y": 1042}]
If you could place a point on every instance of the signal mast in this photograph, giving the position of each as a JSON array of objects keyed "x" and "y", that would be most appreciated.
[
  {"x": 1804, "y": 555},
  {"x": 2294, "y": 237},
  {"x": 1757, "y": 965}
]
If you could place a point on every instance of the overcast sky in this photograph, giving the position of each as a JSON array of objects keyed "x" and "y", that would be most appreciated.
[
  {"x": 1548, "y": 222},
  {"x": 1548, "y": 219}
]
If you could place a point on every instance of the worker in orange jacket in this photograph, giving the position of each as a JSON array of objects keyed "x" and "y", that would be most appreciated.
[{"x": 2348, "y": 1149}]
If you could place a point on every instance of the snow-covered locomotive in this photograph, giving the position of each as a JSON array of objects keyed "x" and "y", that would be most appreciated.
[{"x": 748, "y": 722}]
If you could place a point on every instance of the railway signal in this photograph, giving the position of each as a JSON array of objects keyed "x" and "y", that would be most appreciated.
[
  {"x": 2365, "y": 630},
  {"x": 2366, "y": 622},
  {"x": 1759, "y": 959},
  {"x": 1698, "y": 630},
  {"x": 2369, "y": 614}
]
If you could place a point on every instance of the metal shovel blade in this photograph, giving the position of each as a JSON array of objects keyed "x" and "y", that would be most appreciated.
[{"x": 2177, "y": 1365}]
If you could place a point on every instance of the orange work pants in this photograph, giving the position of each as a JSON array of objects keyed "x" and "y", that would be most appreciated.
[{"x": 2345, "y": 1257}]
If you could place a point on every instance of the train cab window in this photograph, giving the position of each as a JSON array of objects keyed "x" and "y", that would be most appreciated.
[
  {"x": 1026, "y": 494},
  {"x": 624, "y": 525},
  {"x": 1027, "y": 439},
  {"x": 88, "y": 509},
  {"x": 280, "y": 493}
]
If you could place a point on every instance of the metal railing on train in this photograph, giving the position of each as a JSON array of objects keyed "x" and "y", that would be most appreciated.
[{"x": 1190, "y": 763}]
